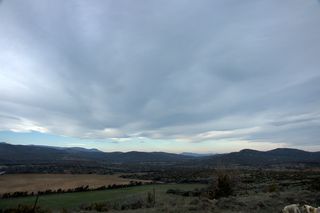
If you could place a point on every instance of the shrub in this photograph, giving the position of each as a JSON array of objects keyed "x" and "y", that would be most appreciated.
[
  {"x": 151, "y": 198},
  {"x": 315, "y": 185},
  {"x": 194, "y": 193},
  {"x": 273, "y": 187},
  {"x": 99, "y": 207},
  {"x": 135, "y": 204},
  {"x": 25, "y": 209},
  {"x": 223, "y": 186},
  {"x": 64, "y": 210},
  {"x": 126, "y": 204}
]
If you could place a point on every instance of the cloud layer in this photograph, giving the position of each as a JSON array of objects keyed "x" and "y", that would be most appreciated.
[{"x": 179, "y": 70}]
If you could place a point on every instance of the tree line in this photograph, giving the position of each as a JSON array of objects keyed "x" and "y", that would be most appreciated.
[{"x": 76, "y": 189}]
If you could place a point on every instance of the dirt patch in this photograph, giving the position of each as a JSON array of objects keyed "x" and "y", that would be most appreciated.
[{"x": 42, "y": 182}]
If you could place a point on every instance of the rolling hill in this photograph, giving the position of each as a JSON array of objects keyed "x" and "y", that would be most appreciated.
[
  {"x": 22, "y": 154},
  {"x": 249, "y": 157},
  {"x": 31, "y": 154}
]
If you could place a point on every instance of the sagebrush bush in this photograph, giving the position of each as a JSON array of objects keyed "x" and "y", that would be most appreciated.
[
  {"x": 222, "y": 186},
  {"x": 315, "y": 185},
  {"x": 150, "y": 198},
  {"x": 25, "y": 209},
  {"x": 273, "y": 187}
]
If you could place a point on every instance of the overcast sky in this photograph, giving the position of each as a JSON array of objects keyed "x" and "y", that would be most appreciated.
[{"x": 171, "y": 75}]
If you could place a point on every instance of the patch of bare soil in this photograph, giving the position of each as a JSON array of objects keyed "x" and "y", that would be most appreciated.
[{"x": 42, "y": 182}]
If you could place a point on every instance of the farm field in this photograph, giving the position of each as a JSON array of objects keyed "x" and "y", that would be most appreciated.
[
  {"x": 252, "y": 191},
  {"x": 126, "y": 200},
  {"x": 41, "y": 182},
  {"x": 76, "y": 199}
]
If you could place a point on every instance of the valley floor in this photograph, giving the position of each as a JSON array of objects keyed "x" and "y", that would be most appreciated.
[
  {"x": 251, "y": 202},
  {"x": 253, "y": 191},
  {"x": 41, "y": 182}
]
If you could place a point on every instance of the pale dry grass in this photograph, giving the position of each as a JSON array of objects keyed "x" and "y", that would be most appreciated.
[{"x": 42, "y": 182}]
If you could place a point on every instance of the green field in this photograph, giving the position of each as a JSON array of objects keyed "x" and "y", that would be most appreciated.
[{"x": 74, "y": 200}]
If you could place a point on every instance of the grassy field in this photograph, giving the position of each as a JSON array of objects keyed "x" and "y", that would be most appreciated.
[
  {"x": 41, "y": 182},
  {"x": 74, "y": 200},
  {"x": 253, "y": 191}
]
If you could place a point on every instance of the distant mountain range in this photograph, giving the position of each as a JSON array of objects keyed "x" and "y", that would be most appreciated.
[
  {"x": 21, "y": 154},
  {"x": 32, "y": 154},
  {"x": 192, "y": 154},
  {"x": 249, "y": 157}
]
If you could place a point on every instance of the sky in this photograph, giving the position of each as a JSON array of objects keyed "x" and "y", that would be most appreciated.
[{"x": 207, "y": 76}]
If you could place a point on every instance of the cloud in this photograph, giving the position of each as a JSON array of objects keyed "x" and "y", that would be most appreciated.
[
  {"x": 106, "y": 133},
  {"x": 20, "y": 125},
  {"x": 221, "y": 134},
  {"x": 178, "y": 70}
]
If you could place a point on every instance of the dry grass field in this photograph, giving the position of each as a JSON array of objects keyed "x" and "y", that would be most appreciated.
[
  {"x": 41, "y": 182},
  {"x": 251, "y": 191}
]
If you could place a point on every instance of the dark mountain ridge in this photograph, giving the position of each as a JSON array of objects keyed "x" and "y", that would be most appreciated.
[
  {"x": 21, "y": 154},
  {"x": 196, "y": 154},
  {"x": 32, "y": 154},
  {"x": 249, "y": 157}
]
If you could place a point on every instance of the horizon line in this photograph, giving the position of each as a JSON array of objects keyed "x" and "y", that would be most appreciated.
[{"x": 179, "y": 153}]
